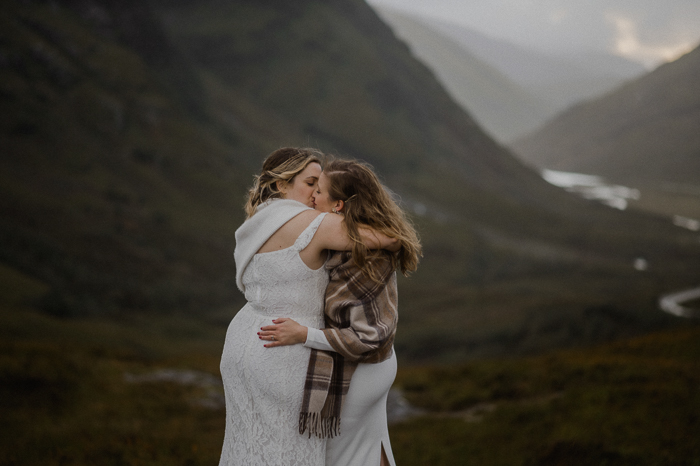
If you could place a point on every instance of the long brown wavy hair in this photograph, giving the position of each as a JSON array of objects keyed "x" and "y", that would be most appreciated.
[
  {"x": 367, "y": 202},
  {"x": 281, "y": 165}
]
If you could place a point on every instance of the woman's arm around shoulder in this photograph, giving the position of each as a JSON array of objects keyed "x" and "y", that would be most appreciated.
[{"x": 331, "y": 234}]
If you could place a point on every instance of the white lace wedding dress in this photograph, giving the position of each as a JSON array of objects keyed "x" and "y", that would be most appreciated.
[{"x": 264, "y": 386}]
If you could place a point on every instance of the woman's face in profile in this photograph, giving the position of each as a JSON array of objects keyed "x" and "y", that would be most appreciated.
[
  {"x": 304, "y": 185},
  {"x": 322, "y": 201}
]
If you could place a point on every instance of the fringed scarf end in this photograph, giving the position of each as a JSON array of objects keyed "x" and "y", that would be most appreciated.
[{"x": 321, "y": 427}]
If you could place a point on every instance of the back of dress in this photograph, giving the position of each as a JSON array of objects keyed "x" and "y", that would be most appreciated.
[
  {"x": 264, "y": 386},
  {"x": 280, "y": 284}
]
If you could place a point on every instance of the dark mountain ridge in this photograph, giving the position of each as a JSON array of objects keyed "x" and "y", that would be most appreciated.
[{"x": 131, "y": 131}]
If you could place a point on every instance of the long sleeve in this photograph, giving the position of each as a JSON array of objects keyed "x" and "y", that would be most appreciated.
[{"x": 316, "y": 339}]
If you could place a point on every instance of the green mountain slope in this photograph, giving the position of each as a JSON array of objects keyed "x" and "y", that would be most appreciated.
[
  {"x": 113, "y": 184},
  {"x": 130, "y": 133},
  {"x": 645, "y": 130}
]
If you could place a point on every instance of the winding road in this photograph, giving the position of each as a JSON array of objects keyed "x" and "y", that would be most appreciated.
[{"x": 671, "y": 303}]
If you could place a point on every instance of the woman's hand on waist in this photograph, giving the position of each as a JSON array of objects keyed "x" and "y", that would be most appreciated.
[{"x": 283, "y": 332}]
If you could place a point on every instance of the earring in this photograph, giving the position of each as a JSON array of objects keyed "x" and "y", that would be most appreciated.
[{"x": 334, "y": 211}]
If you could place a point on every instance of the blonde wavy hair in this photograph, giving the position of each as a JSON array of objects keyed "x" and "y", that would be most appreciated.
[
  {"x": 282, "y": 165},
  {"x": 367, "y": 202}
]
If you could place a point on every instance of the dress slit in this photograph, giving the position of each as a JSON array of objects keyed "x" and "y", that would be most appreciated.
[{"x": 383, "y": 460}]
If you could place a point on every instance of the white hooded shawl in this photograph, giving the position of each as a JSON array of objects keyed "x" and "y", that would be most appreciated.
[{"x": 268, "y": 218}]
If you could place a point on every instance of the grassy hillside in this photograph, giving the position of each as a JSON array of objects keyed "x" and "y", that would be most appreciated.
[
  {"x": 644, "y": 131},
  {"x": 138, "y": 391},
  {"x": 82, "y": 392},
  {"x": 130, "y": 133},
  {"x": 634, "y": 402},
  {"x": 115, "y": 194}
]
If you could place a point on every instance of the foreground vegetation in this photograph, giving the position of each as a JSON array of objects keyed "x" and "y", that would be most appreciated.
[
  {"x": 67, "y": 398},
  {"x": 76, "y": 392},
  {"x": 632, "y": 402}
]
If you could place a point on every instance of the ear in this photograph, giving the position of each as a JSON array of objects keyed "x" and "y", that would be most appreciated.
[
  {"x": 339, "y": 206},
  {"x": 281, "y": 187}
]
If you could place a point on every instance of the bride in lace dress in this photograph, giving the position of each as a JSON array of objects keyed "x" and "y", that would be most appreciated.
[{"x": 280, "y": 252}]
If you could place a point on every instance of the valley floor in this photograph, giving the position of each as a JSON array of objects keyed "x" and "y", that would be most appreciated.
[
  {"x": 634, "y": 402},
  {"x": 144, "y": 391}
]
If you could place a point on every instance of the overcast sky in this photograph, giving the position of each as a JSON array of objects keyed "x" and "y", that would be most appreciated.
[{"x": 648, "y": 31}]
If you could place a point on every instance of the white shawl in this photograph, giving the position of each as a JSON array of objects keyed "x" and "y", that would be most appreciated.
[{"x": 268, "y": 218}]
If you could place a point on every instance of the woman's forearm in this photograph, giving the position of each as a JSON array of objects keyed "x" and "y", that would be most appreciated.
[
  {"x": 376, "y": 240},
  {"x": 333, "y": 235}
]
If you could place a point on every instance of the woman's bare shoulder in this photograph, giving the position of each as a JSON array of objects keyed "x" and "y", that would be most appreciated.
[{"x": 302, "y": 220}]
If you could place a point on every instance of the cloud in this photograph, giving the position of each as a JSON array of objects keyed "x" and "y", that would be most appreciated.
[
  {"x": 648, "y": 31},
  {"x": 628, "y": 44},
  {"x": 556, "y": 16}
]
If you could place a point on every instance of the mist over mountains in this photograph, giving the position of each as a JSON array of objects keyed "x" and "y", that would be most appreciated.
[
  {"x": 131, "y": 131},
  {"x": 502, "y": 105},
  {"x": 510, "y": 89},
  {"x": 646, "y": 130}
]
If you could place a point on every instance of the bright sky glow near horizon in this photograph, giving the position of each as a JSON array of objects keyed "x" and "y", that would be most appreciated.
[{"x": 647, "y": 31}]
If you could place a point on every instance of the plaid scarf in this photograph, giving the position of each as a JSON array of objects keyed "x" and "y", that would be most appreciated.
[{"x": 361, "y": 317}]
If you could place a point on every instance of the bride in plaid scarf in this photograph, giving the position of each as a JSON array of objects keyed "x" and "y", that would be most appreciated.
[{"x": 352, "y": 363}]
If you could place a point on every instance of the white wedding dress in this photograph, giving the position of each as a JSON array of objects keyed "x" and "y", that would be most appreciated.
[{"x": 264, "y": 386}]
